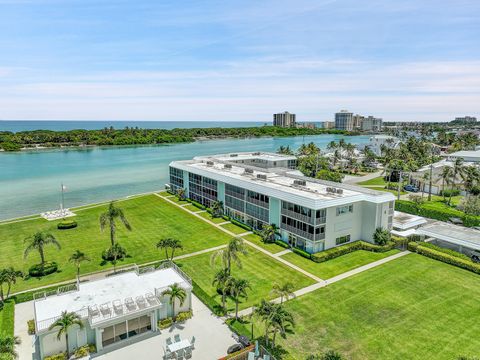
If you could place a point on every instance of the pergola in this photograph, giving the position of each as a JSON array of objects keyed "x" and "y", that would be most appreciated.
[{"x": 453, "y": 234}]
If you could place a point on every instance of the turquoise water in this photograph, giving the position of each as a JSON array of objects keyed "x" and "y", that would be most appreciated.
[{"x": 30, "y": 181}]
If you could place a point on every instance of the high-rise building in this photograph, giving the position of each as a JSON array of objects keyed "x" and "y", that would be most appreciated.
[
  {"x": 259, "y": 189},
  {"x": 284, "y": 119},
  {"x": 371, "y": 123},
  {"x": 357, "y": 121},
  {"x": 465, "y": 120},
  {"x": 329, "y": 124},
  {"x": 344, "y": 120}
]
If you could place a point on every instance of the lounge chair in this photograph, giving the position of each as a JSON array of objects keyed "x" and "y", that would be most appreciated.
[
  {"x": 251, "y": 356},
  {"x": 180, "y": 354},
  {"x": 152, "y": 300},
  {"x": 140, "y": 300},
  {"x": 177, "y": 337},
  {"x": 117, "y": 306},
  {"x": 169, "y": 341},
  {"x": 188, "y": 353},
  {"x": 105, "y": 309}
]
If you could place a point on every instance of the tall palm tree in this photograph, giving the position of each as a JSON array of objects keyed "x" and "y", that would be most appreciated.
[
  {"x": 8, "y": 276},
  {"x": 446, "y": 177},
  {"x": 238, "y": 288},
  {"x": 231, "y": 253},
  {"x": 7, "y": 346},
  {"x": 176, "y": 293},
  {"x": 471, "y": 179},
  {"x": 109, "y": 217},
  {"x": 268, "y": 233},
  {"x": 169, "y": 243},
  {"x": 458, "y": 171},
  {"x": 217, "y": 208},
  {"x": 77, "y": 258},
  {"x": 221, "y": 281},
  {"x": 284, "y": 290},
  {"x": 64, "y": 323},
  {"x": 37, "y": 242},
  {"x": 280, "y": 321}
]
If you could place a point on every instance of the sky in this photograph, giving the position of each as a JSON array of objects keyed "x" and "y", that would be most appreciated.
[{"x": 228, "y": 60}]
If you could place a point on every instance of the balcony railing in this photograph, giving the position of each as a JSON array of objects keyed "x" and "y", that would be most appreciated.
[
  {"x": 298, "y": 232},
  {"x": 258, "y": 202}
]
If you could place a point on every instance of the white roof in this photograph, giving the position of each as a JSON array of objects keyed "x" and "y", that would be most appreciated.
[
  {"x": 267, "y": 156},
  {"x": 280, "y": 184},
  {"x": 466, "y": 154},
  {"x": 106, "y": 290},
  {"x": 452, "y": 233},
  {"x": 404, "y": 221}
]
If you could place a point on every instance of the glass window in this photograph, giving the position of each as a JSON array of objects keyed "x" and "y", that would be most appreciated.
[
  {"x": 345, "y": 209},
  {"x": 342, "y": 239}
]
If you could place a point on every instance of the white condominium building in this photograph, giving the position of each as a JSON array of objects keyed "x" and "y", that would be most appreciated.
[
  {"x": 344, "y": 120},
  {"x": 263, "y": 188}
]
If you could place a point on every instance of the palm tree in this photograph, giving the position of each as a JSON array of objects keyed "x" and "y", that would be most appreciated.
[
  {"x": 37, "y": 242},
  {"x": 471, "y": 179},
  {"x": 108, "y": 219},
  {"x": 237, "y": 288},
  {"x": 268, "y": 233},
  {"x": 230, "y": 254},
  {"x": 381, "y": 236},
  {"x": 221, "y": 280},
  {"x": 64, "y": 323},
  {"x": 280, "y": 321},
  {"x": 169, "y": 243},
  {"x": 284, "y": 290},
  {"x": 285, "y": 150},
  {"x": 7, "y": 346},
  {"x": 446, "y": 177},
  {"x": 217, "y": 208},
  {"x": 175, "y": 292},
  {"x": 115, "y": 253},
  {"x": 458, "y": 170},
  {"x": 8, "y": 276},
  {"x": 264, "y": 312},
  {"x": 77, "y": 258}
]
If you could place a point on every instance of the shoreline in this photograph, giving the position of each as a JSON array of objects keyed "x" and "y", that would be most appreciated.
[{"x": 41, "y": 147}]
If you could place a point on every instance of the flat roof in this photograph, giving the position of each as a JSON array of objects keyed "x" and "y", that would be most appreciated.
[
  {"x": 452, "y": 233},
  {"x": 404, "y": 221},
  {"x": 466, "y": 153},
  {"x": 116, "y": 287},
  {"x": 267, "y": 156},
  {"x": 283, "y": 184}
]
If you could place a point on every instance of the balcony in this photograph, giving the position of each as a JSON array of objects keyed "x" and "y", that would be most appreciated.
[
  {"x": 258, "y": 202},
  {"x": 298, "y": 232}
]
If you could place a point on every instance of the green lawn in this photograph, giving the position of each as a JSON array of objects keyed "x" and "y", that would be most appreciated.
[
  {"x": 394, "y": 192},
  {"x": 234, "y": 228},
  {"x": 257, "y": 240},
  {"x": 7, "y": 312},
  {"x": 261, "y": 270},
  {"x": 192, "y": 208},
  {"x": 208, "y": 216},
  {"x": 339, "y": 265},
  {"x": 151, "y": 217},
  {"x": 375, "y": 181},
  {"x": 410, "y": 308}
]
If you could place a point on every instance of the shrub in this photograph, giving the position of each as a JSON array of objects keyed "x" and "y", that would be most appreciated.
[
  {"x": 108, "y": 254},
  {"x": 446, "y": 258},
  {"x": 438, "y": 214},
  {"x": 450, "y": 192},
  {"x": 348, "y": 248},
  {"x": 381, "y": 236},
  {"x": 198, "y": 205},
  {"x": 83, "y": 351},
  {"x": 302, "y": 253},
  {"x": 444, "y": 250},
  {"x": 184, "y": 315},
  {"x": 282, "y": 244},
  {"x": 66, "y": 224},
  {"x": 61, "y": 356},
  {"x": 38, "y": 270},
  {"x": 417, "y": 199},
  {"x": 165, "y": 323},
  {"x": 31, "y": 327}
]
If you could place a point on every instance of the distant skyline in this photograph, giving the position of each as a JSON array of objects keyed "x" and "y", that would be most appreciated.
[{"x": 238, "y": 60}]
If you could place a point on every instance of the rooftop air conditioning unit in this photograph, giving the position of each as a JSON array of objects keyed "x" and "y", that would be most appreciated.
[
  {"x": 256, "y": 153},
  {"x": 248, "y": 171},
  {"x": 300, "y": 182},
  {"x": 233, "y": 155},
  {"x": 227, "y": 166},
  {"x": 262, "y": 176},
  {"x": 210, "y": 163},
  {"x": 340, "y": 191}
]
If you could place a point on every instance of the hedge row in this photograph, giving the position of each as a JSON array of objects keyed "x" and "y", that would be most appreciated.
[
  {"x": 282, "y": 244},
  {"x": 206, "y": 299},
  {"x": 446, "y": 258},
  {"x": 348, "y": 248},
  {"x": 438, "y": 214},
  {"x": 302, "y": 253},
  {"x": 242, "y": 225},
  {"x": 445, "y": 251}
]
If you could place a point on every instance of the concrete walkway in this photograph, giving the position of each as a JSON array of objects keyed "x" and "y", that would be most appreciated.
[{"x": 286, "y": 251}]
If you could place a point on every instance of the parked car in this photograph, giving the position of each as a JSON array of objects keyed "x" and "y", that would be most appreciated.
[
  {"x": 411, "y": 188},
  {"x": 475, "y": 256}
]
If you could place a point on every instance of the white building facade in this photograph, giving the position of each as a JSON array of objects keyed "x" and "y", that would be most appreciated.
[
  {"x": 263, "y": 188},
  {"x": 284, "y": 119},
  {"x": 112, "y": 310}
]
